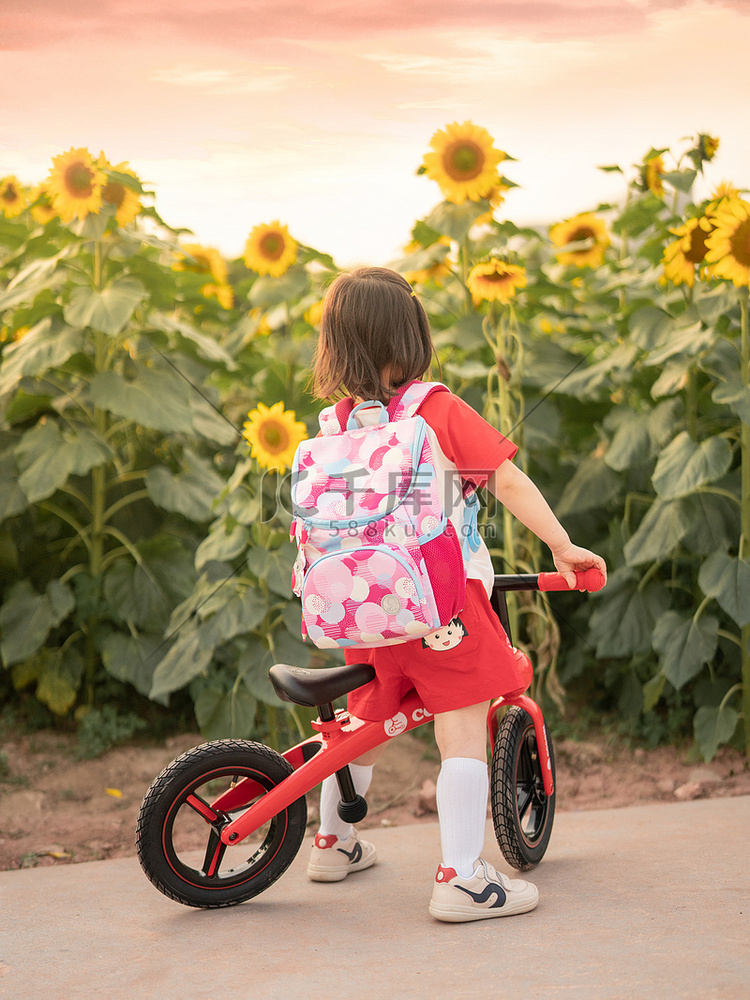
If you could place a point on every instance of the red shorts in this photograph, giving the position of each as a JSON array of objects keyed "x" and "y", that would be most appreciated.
[{"x": 464, "y": 663}]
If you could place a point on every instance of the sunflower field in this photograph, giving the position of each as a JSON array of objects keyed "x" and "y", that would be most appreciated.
[{"x": 152, "y": 395}]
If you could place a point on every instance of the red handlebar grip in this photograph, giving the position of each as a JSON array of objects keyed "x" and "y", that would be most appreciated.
[{"x": 590, "y": 579}]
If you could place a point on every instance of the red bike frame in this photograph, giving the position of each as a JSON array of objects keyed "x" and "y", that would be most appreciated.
[{"x": 343, "y": 739}]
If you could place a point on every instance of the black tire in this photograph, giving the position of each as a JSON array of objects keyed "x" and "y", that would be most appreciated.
[
  {"x": 522, "y": 813},
  {"x": 174, "y": 841}
]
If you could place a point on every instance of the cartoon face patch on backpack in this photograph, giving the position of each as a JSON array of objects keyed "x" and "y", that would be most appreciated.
[{"x": 379, "y": 561}]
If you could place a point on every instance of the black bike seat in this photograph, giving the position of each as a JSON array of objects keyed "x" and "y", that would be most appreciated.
[{"x": 318, "y": 687}]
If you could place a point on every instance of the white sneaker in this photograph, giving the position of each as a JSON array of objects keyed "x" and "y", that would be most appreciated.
[
  {"x": 332, "y": 859},
  {"x": 484, "y": 894}
]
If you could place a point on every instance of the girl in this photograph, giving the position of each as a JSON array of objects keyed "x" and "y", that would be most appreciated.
[{"x": 374, "y": 342}]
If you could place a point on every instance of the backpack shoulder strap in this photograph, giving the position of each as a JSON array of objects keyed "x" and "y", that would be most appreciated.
[
  {"x": 407, "y": 402},
  {"x": 333, "y": 418}
]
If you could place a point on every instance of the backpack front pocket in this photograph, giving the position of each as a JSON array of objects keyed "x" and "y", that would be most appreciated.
[{"x": 366, "y": 596}]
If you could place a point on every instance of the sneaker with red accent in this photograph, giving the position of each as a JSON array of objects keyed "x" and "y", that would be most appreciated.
[
  {"x": 331, "y": 859},
  {"x": 484, "y": 894}
]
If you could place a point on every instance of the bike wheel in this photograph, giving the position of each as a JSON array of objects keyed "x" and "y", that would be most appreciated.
[
  {"x": 522, "y": 814},
  {"x": 177, "y": 834}
]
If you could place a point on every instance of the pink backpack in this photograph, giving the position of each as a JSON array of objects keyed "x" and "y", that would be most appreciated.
[{"x": 379, "y": 561}]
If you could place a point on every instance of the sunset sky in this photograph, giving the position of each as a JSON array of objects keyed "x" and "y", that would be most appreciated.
[{"x": 318, "y": 113}]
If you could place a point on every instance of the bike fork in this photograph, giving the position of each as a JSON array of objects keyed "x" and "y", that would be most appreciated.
[{"x": 540, "y": 731}]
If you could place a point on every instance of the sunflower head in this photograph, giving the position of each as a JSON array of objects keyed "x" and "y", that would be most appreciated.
[
  {"x": 123, "y": 199},
  {"x": 75, "y": 184},
  {"x": 41, "y": 205},
  {"x": 202, "y": 260},
  {"x": 687, "y": 253},
  {"x": 586, "y": 229},
  {"x": 222, "y": 293},
  {"x": 463, "y": 162},
  {"x": 273, "y": 435},
  {"x": 270, "y": 250},
  {"x": 652, "y": 174},
  {"x": 13, "y": 198},
  {"x": 729, "y": 243},
  {"x": 495, "y": 280},
  {"x": 704, "y": 150}
]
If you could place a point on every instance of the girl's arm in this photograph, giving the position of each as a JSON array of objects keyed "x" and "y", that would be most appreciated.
[{"x": 522, "y": 498}]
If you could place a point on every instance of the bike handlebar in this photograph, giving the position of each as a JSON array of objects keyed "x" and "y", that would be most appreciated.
[{"x": 590, "y": 580}]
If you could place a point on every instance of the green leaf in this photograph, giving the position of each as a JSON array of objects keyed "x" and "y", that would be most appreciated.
[
  {"x": 47, "y": 345},
  {"x": 253, "y": 665},
  {"x": 46, "y": 457},
  {"x": 592, "y": 486},
  {"x": 712, "y": 727},
  {"x": 734, "y": 394},
  {"x": 146, "y": 593},
  {"x": 209, "y": 424},
  {"x": 12, "y": 498},
  {"x": 132, "y": 658},
  {"x": 31, "y": 280},
  {"x": 59, "y": 679},
  {"x": 673, "y": 378},
  {"x": 727, "y": 579},
  {"x": 208, "y": 347},
  {"x": 652, "y": 691},
  {"x": 466, "y": 334},
  {"x": 275, "y": 567},
  {"x": 684, "y": 645},
  {"x": 221, "y": 545},
  {"x": 631, "y": 444},
  {"x": 685, "y": 465},
  {"x": 239, "y": 613},
  {"x": 690, "y": 340},
  {"x": 714, "y": 523},
  {"x": 223, "y": 715},
  {"x": 622, "y": 623},
  {"x": 650, "y": 326},
  {"x": 109, "y": 310},
  {"x": 191, "y": 492},
  {"x": 268, "y": 291},
  {"x": 27, "y": 618},
  {"x": 183, "y": 663},
  {"x": 682, "y": 180},
  {"x": 455, "y": 221},
  {"x": 158, "y": 400},
  {"x": 658, "y": 534}
]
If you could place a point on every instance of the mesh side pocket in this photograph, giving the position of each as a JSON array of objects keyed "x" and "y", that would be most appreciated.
[{"x": 445, "y": 567}]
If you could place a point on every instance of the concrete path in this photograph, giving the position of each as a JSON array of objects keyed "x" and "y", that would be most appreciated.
[{"x": 650, "y": 902}]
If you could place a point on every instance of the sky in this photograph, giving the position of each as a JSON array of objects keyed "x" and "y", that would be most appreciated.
[{"x": 317, "y": 114}]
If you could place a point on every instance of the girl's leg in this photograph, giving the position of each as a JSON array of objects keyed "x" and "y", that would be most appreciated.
[{"x": 462, "y": 785}]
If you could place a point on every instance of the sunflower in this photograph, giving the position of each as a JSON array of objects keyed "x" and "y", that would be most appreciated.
[
  {"x": 581, "y": 227},
  {"x": 273, "y": 435},
  {"x": 202, "y": 260},
  {"x": 41, "y": 205},
  {"x": 223, "y": 293},
  {"x": 652, "y": 176},
  {"x": 123, "y": 199},
  {"x": 688, "y": 251},
  {"x": 463, "y": 162},
  {"x": 314, "y": 313},
  {"x": 75, "y": 184},
  {"x": 12, "y": 197},
  {"x": 438, "y": 270},
  {"x": 729, "y": 243},
  {"x": 704, "y": 150},
  {"x": 495, "y": 280},
  {"x": 270, "y": 250}
]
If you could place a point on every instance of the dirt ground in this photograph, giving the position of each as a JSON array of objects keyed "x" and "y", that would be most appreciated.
[{"x": 55, "y": 809}]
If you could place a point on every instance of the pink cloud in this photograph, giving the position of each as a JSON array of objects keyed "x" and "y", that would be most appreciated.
[{"x": 242, "y": 25}]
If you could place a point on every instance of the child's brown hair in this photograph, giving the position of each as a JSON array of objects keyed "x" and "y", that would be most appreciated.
[{"x": 372, "y": 324}]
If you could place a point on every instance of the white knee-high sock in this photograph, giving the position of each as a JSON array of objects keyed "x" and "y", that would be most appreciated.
[
  {"x": 331, "y": 823},
  {"x": 462, "y": 790}
]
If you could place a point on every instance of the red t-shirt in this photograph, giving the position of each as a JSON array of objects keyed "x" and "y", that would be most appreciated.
[{"x": 474, "y": 446}]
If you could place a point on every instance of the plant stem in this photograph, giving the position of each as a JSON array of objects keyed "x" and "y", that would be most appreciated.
[{"x": 744, "y": 549}]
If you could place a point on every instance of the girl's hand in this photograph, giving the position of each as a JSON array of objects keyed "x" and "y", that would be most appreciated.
[{"x": 569, "y": 557}]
